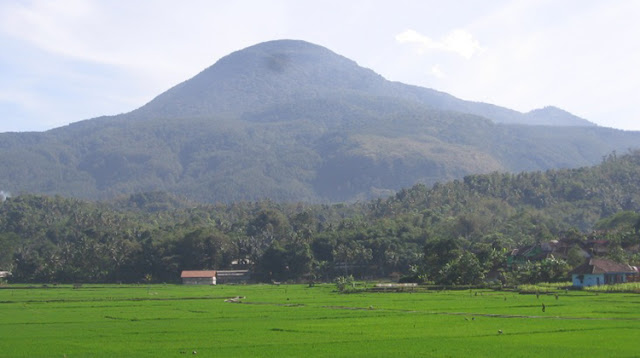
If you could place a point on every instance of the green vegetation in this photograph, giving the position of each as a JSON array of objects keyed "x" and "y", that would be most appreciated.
[
  {"x": 278, "y": 130},
  {"x": 629, "y": 287},
  {"x": 297, "y": 320},
  {"x": 458, "y": 233},
  {"x": 544, "y": 287}
]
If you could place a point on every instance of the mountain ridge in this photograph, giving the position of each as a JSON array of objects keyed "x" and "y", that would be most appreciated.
[
  {"x": 281, "y": 57},
  {"x": 291, "y": 121}
]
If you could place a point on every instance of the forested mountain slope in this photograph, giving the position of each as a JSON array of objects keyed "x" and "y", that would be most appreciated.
[
  {"x": 292, "y": 121},
  {"x": 153, "y": 236}
]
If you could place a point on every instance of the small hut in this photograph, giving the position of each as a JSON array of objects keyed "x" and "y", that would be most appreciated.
[{"x": 198, "y": 277}]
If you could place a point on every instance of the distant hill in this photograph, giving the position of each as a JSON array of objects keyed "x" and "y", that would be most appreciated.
[
  {"x": 292, "y": 121},
  {"x": 565, "y": 198},
  {"x": 554, "y": 116}
]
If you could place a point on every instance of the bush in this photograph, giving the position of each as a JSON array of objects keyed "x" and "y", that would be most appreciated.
[{"x": 345, "y": 284}]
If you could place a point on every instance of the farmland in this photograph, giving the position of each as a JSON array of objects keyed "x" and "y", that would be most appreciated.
[{"x": 297, "y": 320}]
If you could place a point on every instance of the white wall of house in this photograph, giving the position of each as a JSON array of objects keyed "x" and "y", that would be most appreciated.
[
  {"x": 199, "y": 280},
  {"x": 587, "y": 280}
]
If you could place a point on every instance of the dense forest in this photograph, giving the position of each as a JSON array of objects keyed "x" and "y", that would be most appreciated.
[{"x": 459, "y": 232}]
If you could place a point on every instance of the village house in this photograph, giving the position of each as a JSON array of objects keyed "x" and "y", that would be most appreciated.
[
  {"x": 602, "y": 272},
  {"x": 525, "y": 254},
  {"x": 198, "y": 277},
  {"x": 214, "y": 277},
  {"x": 558, "y": 249}
]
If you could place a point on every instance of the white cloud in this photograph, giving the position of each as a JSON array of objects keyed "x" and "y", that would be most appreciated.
[
  {"x": 463, "y": 43},
  {"x": 85, "y": 58},
  {"x": 158, "y": 38},
  {"x": 458, "y": 41},
  {"x": 47, "y": 25},
  {"x": 437, "y": 71}
]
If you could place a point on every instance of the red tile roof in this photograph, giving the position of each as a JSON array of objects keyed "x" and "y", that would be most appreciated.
[{"x": 194, "y": 274}]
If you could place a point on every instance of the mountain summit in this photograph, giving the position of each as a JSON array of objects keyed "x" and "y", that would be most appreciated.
[
  {"x": 292, "y": 121},
  {"x": 284, "y": 72},
  {"x": 554, "y": 116},
  {"x": 264, "y": 75}
]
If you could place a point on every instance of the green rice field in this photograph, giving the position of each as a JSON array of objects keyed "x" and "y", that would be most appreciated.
[{"x": 302, "y": 321}]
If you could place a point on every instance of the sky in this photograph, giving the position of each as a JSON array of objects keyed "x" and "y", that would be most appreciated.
[{"x": 62, "y": 61}]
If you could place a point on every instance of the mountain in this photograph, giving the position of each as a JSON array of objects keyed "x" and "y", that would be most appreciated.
[
  {"x": 283, "y": 72},
  {"x": 554, "y": 116},
  {"x": 292, "y": 121}
]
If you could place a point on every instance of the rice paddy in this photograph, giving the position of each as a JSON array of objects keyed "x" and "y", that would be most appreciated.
[{"x": 297, "y": 320}]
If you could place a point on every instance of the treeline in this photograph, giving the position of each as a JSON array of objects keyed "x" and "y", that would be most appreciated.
[{"x": 454, "y": 233}]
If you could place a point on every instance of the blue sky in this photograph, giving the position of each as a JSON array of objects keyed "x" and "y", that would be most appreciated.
[{"x": 68, "y": 60}]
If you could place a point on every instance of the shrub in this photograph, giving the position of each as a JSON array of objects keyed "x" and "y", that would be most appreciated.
[{"x": 345, "y": 284}]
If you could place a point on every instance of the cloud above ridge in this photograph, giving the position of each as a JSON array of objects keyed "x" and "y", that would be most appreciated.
[{"x": 458, "y": 41}]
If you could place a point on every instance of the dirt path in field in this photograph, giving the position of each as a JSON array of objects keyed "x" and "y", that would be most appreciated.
[
  {"x": 493, "y": 315},
  {"x": 116, "y": 299},
  {"x": 467, "y": 315}
]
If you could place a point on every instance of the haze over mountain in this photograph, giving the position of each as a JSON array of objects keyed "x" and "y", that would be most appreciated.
[
  {"x": 290, "y": 120},
  {"x": 280, "y": 73}
]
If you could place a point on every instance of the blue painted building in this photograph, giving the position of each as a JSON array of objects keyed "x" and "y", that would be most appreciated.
[{"x": 602, "y": 272}]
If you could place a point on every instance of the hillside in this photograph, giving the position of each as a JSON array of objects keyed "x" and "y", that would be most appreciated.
[
  {"x": 274, "y": 74},
  {"x": 554, "y": 116},
  {"x": 292, "y": 121},
  {"x": 56, "y": 239}
]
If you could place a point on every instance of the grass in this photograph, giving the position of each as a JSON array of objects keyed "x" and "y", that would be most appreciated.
[
  {"x": 296, "y": 320},
  {"x": 629, "y": 287},
  {"x": 544, "y": 287}
]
